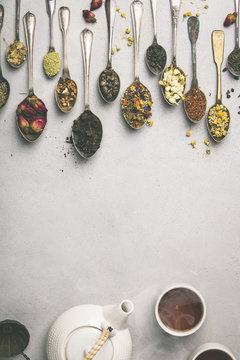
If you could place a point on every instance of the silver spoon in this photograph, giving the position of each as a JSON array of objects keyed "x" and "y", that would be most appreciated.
[
  {"x": 16, "y": 52},
  {"x": 156, "y": 56},
  {"x": 233, "y": 61},
  {"x": 218, "y": 131},
  {"x": 175, "y": 9},
  {"x": 108, "y": 81},
  {"x": 31, "y": 112},
  {"x": 195, "y": 94},
  {"x": 136, "y": 115},
  {"x": 4, "y": 85},
  {"x": 66, "y": 90},
  {"x": 87, "y": 129},
  {"x": 52, "y": 59}
]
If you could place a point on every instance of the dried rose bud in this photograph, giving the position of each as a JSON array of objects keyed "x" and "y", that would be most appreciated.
[
  {"x": 23, "y": 123},
  {"x": 40, "y": 107},
  {"x": 89, "y": 16},
  {"x": 95, "y": 4},
  {"x": 22, "y": 106},
  {"x": 38, "y": 124},
  {"x": 29, "y": 112},
  {"x": 230, "y": 19}
]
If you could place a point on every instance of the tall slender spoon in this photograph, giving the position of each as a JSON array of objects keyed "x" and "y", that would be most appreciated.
[
  {"x": 16, "y": 52},
  {"x": 156, "y": 56},
  {"x": 137, "y": 100},
  {"x": 195, "y": 98},
  {"x": 218, "y": 119},
  {"x": 31, "y": 112},
  {"x": 66, "y": 90},
  {"x": 233, "y": 61},
  {"x": 108, "y": 81},
  {"x": 167, "y": 87},
  {"x": 52, "y": 60},
  {"x": 4, "y": 85},
  {"x": 87, "y": 129}
]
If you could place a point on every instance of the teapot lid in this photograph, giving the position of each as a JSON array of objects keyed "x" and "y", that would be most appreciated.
[
  {"x": 82, "y": 339},
  {"x": 14, "y": 338}
]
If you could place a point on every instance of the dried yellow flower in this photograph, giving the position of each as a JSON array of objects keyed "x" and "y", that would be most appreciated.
[{"x": 189, "y": 133}]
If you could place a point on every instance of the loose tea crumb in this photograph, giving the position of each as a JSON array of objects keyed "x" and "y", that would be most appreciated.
[
  {"x": 109, "y": 84},
  {"x": 17, "y": 53},
  {"x": 51, "y": 63},
  {"x": 136, "y": 105},
  {"x": 156, "y": 58},
  {"x": 195, "y": 104}
]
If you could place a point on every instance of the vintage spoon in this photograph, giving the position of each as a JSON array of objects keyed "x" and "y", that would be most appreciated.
[
  {"x": 218, "y": 131},
  {"x": 52, "y": 60},
  {"x": 16, "y": 52},
  {"x": 198, "y": 96},
  {"x": 233, "y": 61},
  {"x": 31, "y": 112},
  {"x": 66, "y": 90},
  {"x": 4, "y": 85},
  {"x": 136, "y": 116},
  {"x": 175, "y": 9},
  {"x": 156, "y": 56},
  {"x": 87, "y": 129},
  {"x": 108, "y": 81}
]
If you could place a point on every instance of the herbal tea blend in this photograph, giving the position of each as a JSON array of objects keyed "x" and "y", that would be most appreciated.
[
  {"x": 16, "y": 54},
  {"x": 4, "y": 92},
  {"x": 195, "y": 104},
  {"x": 109, "y": 84},
  {"x": 136, "y": 105},
  {"x": 156, "y": 58},
  {"x": 174, "y": 82},
  {"x": 234, "y": 60},
  {"x": 218, "y": 121}
]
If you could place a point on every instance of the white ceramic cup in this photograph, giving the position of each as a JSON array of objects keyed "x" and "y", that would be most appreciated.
[
  {"x": 211, "y": 346},
  {"x": 180, "y": 332}
]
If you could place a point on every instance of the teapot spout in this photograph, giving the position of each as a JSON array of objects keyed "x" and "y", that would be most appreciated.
[{"x": 117, "y": 315}]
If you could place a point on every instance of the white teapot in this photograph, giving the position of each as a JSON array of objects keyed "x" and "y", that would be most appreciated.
[{"x": 75, "y": 333}]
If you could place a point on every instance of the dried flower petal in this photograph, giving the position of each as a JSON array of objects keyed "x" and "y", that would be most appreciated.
[
  {"x": 29, "y": 112},
  {"x": 95, "y": 4},
  {"x": 22, "y": 106},
  {"x": 38, "y": 124},
  {"x": 89, "y": 16},
  {"x": 230, "y": 19},
  {"x": 23, "y": 124}
]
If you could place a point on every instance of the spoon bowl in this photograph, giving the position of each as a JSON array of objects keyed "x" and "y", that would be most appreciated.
[
  {"x": 109, "y": 85},
  {"x": 16, "y": 57},
  {"x": 60, "y": 98},
  {"x": 5, "y": 90},
  {"x": 163, "y": 87},
  {"x": 156, "y": 58},
  {"x": 31, "y": 117},
  {"x": 138, "y": 98},
  {"x": 233, "y": 62},
  {"x": 211, "y": 126},
  {"x": 87, "y": 134},
  {"x": 196, "y": 99},
  {"x": 109, "y": 81}
]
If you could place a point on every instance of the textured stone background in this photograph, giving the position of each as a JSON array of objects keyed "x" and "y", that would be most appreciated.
[{"x": 145, "y": 212}]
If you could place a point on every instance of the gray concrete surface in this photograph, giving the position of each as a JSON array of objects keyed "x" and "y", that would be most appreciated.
[{"x": 145, "y": 212}]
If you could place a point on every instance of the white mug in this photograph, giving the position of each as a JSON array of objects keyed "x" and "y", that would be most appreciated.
[
  {"x": 180, "y": 332},
  {"x": 211, "y": 346}
]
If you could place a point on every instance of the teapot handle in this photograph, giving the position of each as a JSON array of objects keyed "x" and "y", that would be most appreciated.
[{"x": 101, "y": 341}]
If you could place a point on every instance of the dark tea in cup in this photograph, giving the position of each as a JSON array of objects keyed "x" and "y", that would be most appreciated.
[
  {"x": 180, "y": 310},
  {"x": 212, "y": 351},
  {"x": 214, "y": 354}
]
